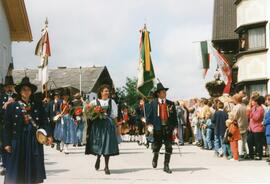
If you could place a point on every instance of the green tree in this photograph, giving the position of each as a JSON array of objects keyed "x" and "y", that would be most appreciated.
[
  {"x": 131, "y": 92},
  {"x": 128, "y": 93}
]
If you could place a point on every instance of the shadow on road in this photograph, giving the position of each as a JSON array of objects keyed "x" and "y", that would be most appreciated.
[
  {"x": 52, "y": 172},
  {"x": 187, "y": 169},
  {"x": 135, "y": 148},
  {"x": 124, "y": 171},
  {"x": 177, "y": 153},
  {"x": 50, "y": 163},
  {"x": 76, "y": 152},
  {"x": 134, "y": 152}
]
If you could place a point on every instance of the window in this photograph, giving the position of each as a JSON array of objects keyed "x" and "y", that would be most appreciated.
[
  {"x": 243, "y": 43},
  {"x": 261, "y": 88},
  {"x": 256, "y": 38}
]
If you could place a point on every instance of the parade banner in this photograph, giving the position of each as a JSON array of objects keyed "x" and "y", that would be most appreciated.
[
  {"x": 146, "y": 74},
  {"x": 205, "y": 56},
  {"x": 223, "y": 66},
  {"x": 44, "y": 51}
]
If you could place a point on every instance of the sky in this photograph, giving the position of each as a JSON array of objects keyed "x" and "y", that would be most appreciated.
[{"x": 106, "y": 33}]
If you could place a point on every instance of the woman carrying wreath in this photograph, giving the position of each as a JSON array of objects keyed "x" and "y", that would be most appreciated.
[{"x": 102, "y": 139}]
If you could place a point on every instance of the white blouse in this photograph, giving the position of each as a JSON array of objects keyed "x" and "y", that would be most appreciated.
[{"x": 105, "y": 103}]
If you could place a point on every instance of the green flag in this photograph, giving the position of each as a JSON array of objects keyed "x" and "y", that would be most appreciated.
[
  {"x": 146, "y": 70},
  {"x": 205, "y": 56}
]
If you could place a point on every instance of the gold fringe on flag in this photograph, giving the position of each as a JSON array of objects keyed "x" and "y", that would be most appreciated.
[{"x": 147, "y": 51}]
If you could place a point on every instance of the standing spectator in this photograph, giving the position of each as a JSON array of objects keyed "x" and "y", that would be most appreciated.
[
  {"x": 266, "y": 123},
  {"x": 188, "y": 134},
  {"x": 244, "y": 96},
  {"x": 218, "y": 120},
  {"x": 204, "y": 111},
  {"x": 196, "y": 122},
  {"x": 239, "y": 115},
  {"x": 209, "y": 132},
  {"x": 256, "y": 128},
  {"x": 234, "y": 137},
  {"x": 181, "y": 122}
]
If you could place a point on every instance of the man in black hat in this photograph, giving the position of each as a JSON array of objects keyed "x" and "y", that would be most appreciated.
[
  {"x": 162, "y": 116},
  {"x": 6, "y": 98},
  {"x": 53, "y": 110}
]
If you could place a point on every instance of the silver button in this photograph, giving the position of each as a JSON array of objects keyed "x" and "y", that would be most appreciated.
[
  {"x": 17, "y": 107},
  {"x": 16, "y": 116},
  {"x": 14, "y": 124},
  {"x": 37, "y": 118}
]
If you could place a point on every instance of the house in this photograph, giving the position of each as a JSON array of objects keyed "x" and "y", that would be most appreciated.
[
  {"x": 253, "y": 59},
  {"x": 91, "y": 78},
  {"x": 14, "y": 26},
  {"x": 224, "y": 38}
]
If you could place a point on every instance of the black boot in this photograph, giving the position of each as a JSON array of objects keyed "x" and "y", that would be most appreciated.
[
  {"x": 97, "y": 165},
  {"x": 155, "y": 160},
  {"x": 166, "y": 164},
  {"x": 107, "y": 170},
  {"x": 58, "y": 146}
]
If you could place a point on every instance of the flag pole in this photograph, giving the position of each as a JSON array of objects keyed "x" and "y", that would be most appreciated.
[
  {"x": 46, "y": 84},
  {"x": 80, "y": 80}
]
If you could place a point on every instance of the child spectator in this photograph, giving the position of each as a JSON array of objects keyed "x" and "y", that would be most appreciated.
[
  {"x": 234, "y": 137},
  {"x": 226, "y": 144}
]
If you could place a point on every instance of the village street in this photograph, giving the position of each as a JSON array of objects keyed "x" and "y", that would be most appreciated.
[{"x": 133, "y": 166}]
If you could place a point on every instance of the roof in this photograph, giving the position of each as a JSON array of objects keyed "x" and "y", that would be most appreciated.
[
  {"x": 92, "y": 78},
  {"x": 224, "y": 20},
  {"x": 18, "y": 22}
]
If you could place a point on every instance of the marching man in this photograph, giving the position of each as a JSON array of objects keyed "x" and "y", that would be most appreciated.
[
  {"x": 162, "y": 116},
  {"x": 7, "y": 98}
]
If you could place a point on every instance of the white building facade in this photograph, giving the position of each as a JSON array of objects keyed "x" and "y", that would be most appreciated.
[
  {"x": 5, "y": 44},
  {"x": 253, "y": 59},
  {"x": 14, "y": 26}
]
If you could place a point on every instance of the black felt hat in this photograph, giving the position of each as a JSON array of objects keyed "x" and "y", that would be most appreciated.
[
  {"x": 160, "y": 87},
  {"x": 26, "y": 82},
  {"x": 9, "y": 81}
]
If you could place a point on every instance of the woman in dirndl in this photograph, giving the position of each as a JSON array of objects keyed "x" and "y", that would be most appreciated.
[
  {"x": 69, "y": 127},
  {"x": 25, "y": 154},
  {"x": 103, "y": 137}
]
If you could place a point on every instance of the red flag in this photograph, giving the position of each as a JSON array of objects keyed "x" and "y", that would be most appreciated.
[{"x": 225, "y": 68}]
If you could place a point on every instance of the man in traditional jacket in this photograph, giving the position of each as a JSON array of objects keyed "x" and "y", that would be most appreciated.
[
  {"x": 6, "y": 98},
  {"x": 162, "y": 116},
  {"x": 53, "y": 110}
]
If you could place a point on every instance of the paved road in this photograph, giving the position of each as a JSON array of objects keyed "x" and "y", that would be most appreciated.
[{"x": 133, "y": 166}]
